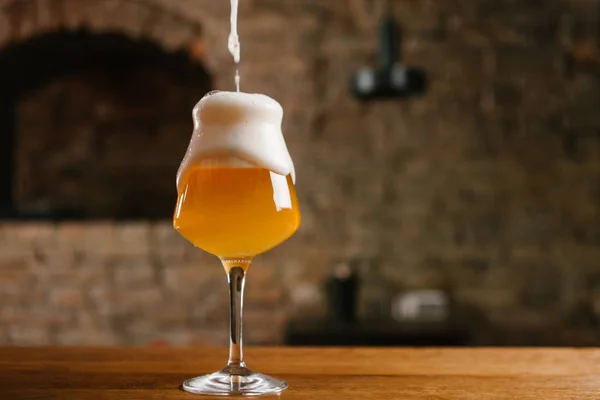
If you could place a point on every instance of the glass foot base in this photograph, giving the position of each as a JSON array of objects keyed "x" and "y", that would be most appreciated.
[{"x": 241, "y": 383}]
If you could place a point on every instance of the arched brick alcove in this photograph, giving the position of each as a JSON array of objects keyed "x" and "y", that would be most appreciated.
[
  {"x": 21, "y": 19},
  {"x": 96, "y": 99}
]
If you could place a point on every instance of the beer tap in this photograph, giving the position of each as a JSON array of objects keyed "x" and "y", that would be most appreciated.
[{"x": 390, "y": 79}]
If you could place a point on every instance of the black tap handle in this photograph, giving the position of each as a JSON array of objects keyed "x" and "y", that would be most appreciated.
[{"x": 390, "y": 43}]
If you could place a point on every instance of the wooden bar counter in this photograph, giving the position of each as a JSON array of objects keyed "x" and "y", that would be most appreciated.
[{"x": 313, "y": 373}]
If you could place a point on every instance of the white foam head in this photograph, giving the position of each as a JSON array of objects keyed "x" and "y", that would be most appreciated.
[{"x": 238, "y": 126}]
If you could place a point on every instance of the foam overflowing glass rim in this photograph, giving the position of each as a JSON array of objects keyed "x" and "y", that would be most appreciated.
[{"x": 237, "y": 126}]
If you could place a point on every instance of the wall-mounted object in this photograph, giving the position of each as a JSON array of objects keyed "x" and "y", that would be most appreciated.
[{"x": 390, "y": 79}]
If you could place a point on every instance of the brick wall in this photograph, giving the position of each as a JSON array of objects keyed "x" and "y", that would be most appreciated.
[
  {"x": 130, "y": 284},
  {"x": 488, "y": 186},
  {"x": 82, "y": 135}
]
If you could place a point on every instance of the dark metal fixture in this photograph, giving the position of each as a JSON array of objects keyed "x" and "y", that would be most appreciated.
[{"x": 390, "y": 79}]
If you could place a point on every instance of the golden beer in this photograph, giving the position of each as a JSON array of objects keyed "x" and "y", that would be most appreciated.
[{"x": 235, "y": 212}]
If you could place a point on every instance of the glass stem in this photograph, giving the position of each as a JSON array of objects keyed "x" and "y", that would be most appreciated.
[{"x": 236, "y": 276}]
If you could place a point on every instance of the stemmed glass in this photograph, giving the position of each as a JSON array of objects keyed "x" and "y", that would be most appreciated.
[{"x": 233, "y": 208}]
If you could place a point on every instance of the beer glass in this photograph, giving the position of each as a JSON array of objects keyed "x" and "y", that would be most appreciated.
[{"x": 232, "y": 205}]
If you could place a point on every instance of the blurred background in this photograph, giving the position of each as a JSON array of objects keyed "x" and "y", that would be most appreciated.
[{"x": 461, "y": 209}]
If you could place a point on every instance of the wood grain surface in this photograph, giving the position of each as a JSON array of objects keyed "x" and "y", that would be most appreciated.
[{"x": 313, "y": 373}]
